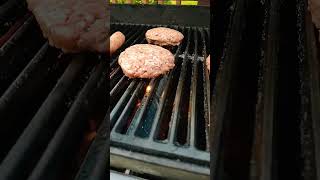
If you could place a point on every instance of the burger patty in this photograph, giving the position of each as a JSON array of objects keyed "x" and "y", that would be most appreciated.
[
  {"x": 208, "y": 63},
  {"x": 314, "y": 8},
  {"x": 72, "y": 25},
  {"x": 115, "y": 41},
  {"x": 145, "y": 61},
  {"x": 164, "y": 36}
]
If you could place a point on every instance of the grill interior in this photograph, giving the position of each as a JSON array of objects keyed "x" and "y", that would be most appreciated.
[
  {"x": 167, "y": 116},
  {"x": 267, "y": 93},
  {"x": 51, "y": 108}
]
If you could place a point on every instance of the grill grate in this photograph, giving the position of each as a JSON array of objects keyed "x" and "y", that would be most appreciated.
[
  {"x": 267, "y": 94},
  {"x": 167, "y": 116},
  {"x": 50, "y": 107}
]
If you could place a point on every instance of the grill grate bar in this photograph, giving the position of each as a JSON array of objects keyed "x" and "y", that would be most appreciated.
[
  {"x": 177, "y": 103},
  {"x": 17, "y": 35},
  {"x": 128, "y": 108},
  {"x": 114, "y": 78},
  {"x": 8, "y": 34},
  {"x": 46, "y": 94},
  {"x": 193, "y": 106},
  {"x": 206, "y": 91},
  {"x": 115, "y": 113},
  {"x": 136, "y": 123},
  {"x": 121, "y": 26},
  {"x": 21, "y": 79},
  {"x": 309, "y": 55},
  {"x": 137, "y": 37},
  {"x": 95, "y": 165},
  {"x": 172, "y": 134},
  {"x": 193, "y": 96},
  {"x": 39, "y": 128},
  {"x": 121, "y": 84},
  {"x": 144, "y": 104},
  {"x": 71, "y": 126},
  {"x": 156, "y": 122}
]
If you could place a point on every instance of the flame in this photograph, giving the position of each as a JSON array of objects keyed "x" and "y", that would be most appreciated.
[{"x": 148, "y": 89}]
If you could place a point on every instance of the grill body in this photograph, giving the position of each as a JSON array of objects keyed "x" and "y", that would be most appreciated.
[
  {"x": 161, "y": 126},
  {"x": 266, "y": 93}
]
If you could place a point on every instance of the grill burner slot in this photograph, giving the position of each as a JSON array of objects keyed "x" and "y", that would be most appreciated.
[{"x": 163, "y": 117}]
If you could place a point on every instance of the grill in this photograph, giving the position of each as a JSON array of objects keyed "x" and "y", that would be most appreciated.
[
  {"x": 160, "y": 126},
  {"x": 51, "y": 108},
  {"x": 267, "y": 93}
]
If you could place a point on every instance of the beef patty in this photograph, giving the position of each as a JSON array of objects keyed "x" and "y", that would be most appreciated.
[
  {"x": 145, "y": 61},
  {"x": 164, "y": 36},
  {"x": 72, "y": 25}
]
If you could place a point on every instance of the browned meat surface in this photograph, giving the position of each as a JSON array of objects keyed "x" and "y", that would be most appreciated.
[
  {"x": 145, "y": 61},
  {"x": 72, "y": 25},
  {"x": 164, "y": 36},
  {"x": 208, "y": 63},
  {"x": 314, "y": 8},
  {"x": 116, "y": 41}
]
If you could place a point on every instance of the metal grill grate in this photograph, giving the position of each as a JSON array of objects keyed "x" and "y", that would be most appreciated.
[
  {"x": 50, "y": 107},
  {"x": 267, "y": 94},
  {"x": 166, "y": 116}
]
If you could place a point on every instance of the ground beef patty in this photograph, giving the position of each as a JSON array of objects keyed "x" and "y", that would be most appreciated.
[
  {"x": 145, "y": 61},
  {"x": 164, "y": 36},
  {"x": 208, "y": 63},
  {"x": 72, "y": 25}
]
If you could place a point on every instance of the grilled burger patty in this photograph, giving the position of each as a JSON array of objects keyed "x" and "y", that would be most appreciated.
[
  {"x": 116, "y": 41},
  {"x": 72, "y": 25},
  {"x": 164, "y": 36},
  {"x": 145, "y": 61}
]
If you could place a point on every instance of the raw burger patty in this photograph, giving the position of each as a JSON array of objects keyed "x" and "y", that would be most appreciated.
[
  {"x": 314, "y": 8},
  {"x": 145, "y": 61},
  {"x": 164, "y": 36},
  {"x": 208, "y": 63},
  {"x": 72, "y": 25}
]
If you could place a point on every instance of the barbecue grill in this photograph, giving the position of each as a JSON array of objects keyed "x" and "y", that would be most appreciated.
[
  {"x": 267, "y": 93},
  {"x": 51, "y": 110},
  {"x": 159, "y": 128}
]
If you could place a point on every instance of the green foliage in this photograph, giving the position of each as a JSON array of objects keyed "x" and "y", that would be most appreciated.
[{"x": 166, "y": 2}]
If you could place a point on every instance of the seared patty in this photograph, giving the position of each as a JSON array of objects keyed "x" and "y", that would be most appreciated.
[
  {"x": 164, "y": 36},
  {"x": 115, "y": 42},
  {"x": 145, "y": 61},
  {"x": 72, "y": 25}
]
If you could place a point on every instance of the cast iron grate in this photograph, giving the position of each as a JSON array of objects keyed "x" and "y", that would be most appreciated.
[
  {"x": 166, "y": 116},
  {"x": 50, "y": 105}
]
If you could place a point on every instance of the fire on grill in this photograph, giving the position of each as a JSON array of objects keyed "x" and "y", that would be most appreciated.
[{"x": 159, "y": 127}]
